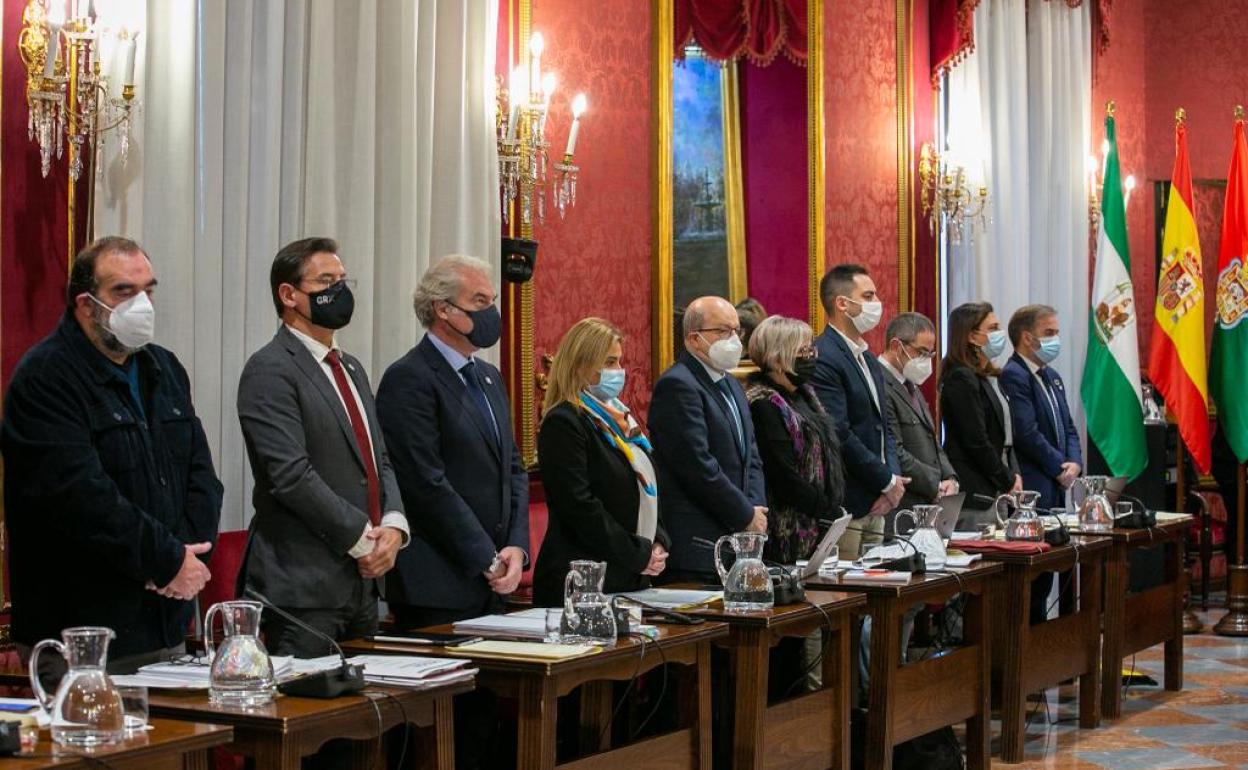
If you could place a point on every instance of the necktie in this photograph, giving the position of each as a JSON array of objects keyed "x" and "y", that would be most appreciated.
[
  {"x": 361, "y": 435},
  {"x": 726, "y": 389},
  {"x": 473, "y": 383},
  {"x": 916, "y": 400},
  {"x": 1059, "y": 430}
]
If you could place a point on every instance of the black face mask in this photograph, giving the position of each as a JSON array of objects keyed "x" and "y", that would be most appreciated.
[
  {"x": 331, "y": 307},
  {"x": 803, "y": 370},
  {"x": 487, "y": 325}
]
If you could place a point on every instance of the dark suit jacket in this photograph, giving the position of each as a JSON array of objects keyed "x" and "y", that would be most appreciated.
[
  {"x": 1040, "y": 457},
  {"x": 975, "y": 434},
  {"x": 918, "y": 450},
  {"x": 311, "y": 494},
  {"x": 708, "y": 486},
  {"x": 466, "y": 493},
  {"x": 861, "y": 426},
  {"x": 592, "y": 495}
]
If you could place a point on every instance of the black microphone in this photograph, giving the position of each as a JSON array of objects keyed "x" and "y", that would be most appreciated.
[
  {"x": 915, "y": 562},
  {"x": 344, "y": 680},
  {"x": 671, "y": 615}
]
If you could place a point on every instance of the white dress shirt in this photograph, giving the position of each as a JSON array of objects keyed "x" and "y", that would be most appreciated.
[{"x": 363, "y": 546}]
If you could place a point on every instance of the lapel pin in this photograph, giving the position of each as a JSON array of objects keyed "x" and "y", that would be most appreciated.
[{"x": 488, "y": 381}]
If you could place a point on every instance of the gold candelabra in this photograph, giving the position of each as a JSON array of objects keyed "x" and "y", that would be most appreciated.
[
  {"x": 1096, "y": 174},
  {"x": 945, "y": 195},
  {"x": 523, "y": 147},
  {"x": 67, "y": 94}
]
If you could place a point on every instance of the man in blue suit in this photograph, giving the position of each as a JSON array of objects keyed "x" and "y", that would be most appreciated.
[
  {"x": 1045, "y": 439},
  {"x": 850, "y": 384},
  {"x": 709, "y": 472},
  {"x": 447, "y": 425}
]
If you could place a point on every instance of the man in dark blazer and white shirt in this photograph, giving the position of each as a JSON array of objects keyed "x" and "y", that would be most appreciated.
[
  {"x": 706, "y": 458},
  {"x": 907, "y": 362},
  {"x": 1045, "y": 439},
  {"x": 447, "y": 423},
  {"x": 850, "y": 384},
  {"x": 329, "y": 520}
]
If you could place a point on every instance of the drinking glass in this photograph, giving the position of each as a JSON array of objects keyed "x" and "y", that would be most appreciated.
[
  {"x": 554, "y": 625},
  {"x": 134, "y": 705}
]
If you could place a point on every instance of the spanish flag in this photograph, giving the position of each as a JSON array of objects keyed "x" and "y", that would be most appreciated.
[{"x": 1176, "y": 362}]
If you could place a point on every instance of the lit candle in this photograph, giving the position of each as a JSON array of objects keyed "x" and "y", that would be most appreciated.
[
  {"x": 131, "y": 47},
  {"x": 536, "y": 45},
  {"x": 578, "y": 109},
  {"x": 80, "y": 9},
  {"x": 515, "y": 89},
  {"x": 56, "y": 18}
]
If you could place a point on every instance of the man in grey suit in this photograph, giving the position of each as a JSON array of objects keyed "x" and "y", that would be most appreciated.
[
  {"x": 329, "y": 519},
  {"x": 907, "y": 361}
]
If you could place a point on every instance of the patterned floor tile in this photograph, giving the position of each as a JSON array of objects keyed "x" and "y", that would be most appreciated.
[
  {"x": 1234, "y": 713},
  {"x": 1232, "y": 754},
  {"x": 1189, "y": 735},
  {"x": 1153, "y": 759}
]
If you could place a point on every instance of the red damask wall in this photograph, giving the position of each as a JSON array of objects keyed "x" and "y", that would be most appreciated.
[
  {"x": 1163, "y": 55},
  {"x": 860, "y": 71},
  {"x": 597, "y": 260}
]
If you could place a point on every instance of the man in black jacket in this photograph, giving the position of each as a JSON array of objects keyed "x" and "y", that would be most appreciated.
[
  {"x": 111, "y": 499},
  {"x": 446, "y": 421},
  {"x": 706, "y": 457}
]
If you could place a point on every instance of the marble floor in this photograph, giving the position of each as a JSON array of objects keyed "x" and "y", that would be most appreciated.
[{"x": 1203, "y": 725}]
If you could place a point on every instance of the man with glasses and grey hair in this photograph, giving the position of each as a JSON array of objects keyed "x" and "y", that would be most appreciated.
[
  {"x": 907, "y": 362},
  {"x": 705, "y": 453}
]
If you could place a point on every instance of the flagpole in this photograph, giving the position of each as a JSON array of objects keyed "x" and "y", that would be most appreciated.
[{"x": 1235, "y": 621}]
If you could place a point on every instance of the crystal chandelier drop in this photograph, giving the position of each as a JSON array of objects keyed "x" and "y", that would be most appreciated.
[
  {"x": 523, "y": 146},
  {"x": 69, "y": 98}
]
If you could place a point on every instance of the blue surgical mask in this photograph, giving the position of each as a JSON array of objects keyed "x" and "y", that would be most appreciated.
[
  {"x": 610, "y": 384},
  {"x": 1050, "y": 348},
  {"x": 995, "y": 344}
]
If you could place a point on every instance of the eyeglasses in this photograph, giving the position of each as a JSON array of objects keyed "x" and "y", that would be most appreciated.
[
  {"x": 324, "y": 282},
  {"x": 722, "y": 331},
  {"x": 921, "y": 353}
]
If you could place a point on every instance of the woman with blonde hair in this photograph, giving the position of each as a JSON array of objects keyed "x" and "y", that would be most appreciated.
[{"x": 595, "y": 459}]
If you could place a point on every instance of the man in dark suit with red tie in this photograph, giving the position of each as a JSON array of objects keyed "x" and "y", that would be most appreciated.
[{"x": 329, "y": 520}]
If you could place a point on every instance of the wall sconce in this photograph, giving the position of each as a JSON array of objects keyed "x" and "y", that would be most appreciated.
[
  {"x": 66, "y": 93},
  {"x": 1096, "y": 183},
  {"x": 523, "y": 146},
  {"x": 945, "y": 195}
]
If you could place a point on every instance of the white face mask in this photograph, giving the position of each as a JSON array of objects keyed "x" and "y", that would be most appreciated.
[
  {"x": 132, "y": 322},
  {"x": 870, "y": 316},
  {"x": 725, "y": 354},
  {"x": 917, "y": 369}
]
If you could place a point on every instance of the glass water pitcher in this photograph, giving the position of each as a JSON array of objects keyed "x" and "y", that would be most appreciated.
[
  {"x": 923, "y": 535},
  {"x": 1024, "y": 523},
  {"x": 587, "y": 613},
  {"x": 241, "y": 673},
  {"x": 747, "y": 585},
  {"x": 1095, "y": 513},
  {"x": 86, "y": 710}
]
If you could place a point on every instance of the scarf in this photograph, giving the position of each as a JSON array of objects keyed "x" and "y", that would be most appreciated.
[{"x": 618, "y": 428}]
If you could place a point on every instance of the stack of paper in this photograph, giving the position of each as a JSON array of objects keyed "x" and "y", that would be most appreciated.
[
  {"x": 878, "y": 575},
  {"x": 675, "y": 598},
  {"x": 196, "y": 675},
  {"x": 523, "y": 650},
  {"x": 413, "y": 670},
  {"x": 527, "y": 624}
]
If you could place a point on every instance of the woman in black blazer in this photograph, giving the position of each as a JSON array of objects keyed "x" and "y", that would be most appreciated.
[
  {"x": 595, "y": 460},
  {"x": 978, "y": 433}
]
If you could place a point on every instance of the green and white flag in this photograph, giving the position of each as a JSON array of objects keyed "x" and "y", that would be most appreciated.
[{"x": 1111, "y": 373}]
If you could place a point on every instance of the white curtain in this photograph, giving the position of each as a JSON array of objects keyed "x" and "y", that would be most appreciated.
[
  {"x": 1019, "y": 121},
  {"x": 369, "y": 121}
]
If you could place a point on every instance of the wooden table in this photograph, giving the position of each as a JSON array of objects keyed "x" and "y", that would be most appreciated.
[
  {"x": 279, "y": 735},
  {"x": 170, "y": 745},
  {"x": 812, "y": 729},
  {"x": 906, "y": 701},
  {"x": 1027, "y": 658},
  {"x": 1135, "y": 622},
  {"x": 537, "y": 686}
]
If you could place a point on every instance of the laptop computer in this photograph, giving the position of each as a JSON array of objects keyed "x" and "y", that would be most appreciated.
[
  {"x": 951, "y": 509},
  {"x": 826, "y": 544}
]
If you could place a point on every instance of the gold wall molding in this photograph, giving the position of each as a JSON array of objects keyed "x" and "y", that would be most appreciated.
[
  {"x": 734, "y": 193},
  {"x": 904, "y": 97},
  {"x": 816, "y": 157}
]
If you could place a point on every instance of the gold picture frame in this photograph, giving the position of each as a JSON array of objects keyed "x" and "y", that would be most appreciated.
[{"x": 663, "y": 330}]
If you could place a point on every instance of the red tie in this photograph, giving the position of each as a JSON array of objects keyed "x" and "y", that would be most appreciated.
[{"x": 361, "y": 436}]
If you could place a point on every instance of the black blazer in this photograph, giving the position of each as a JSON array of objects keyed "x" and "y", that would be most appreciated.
[
  {"x": 466, "y": 493},
  {"x": 592, "y": 496},
  {"x": 860, "y": 424},
  {"x": 708, "y": 484},
  {"x": 975, "y": 434}
]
